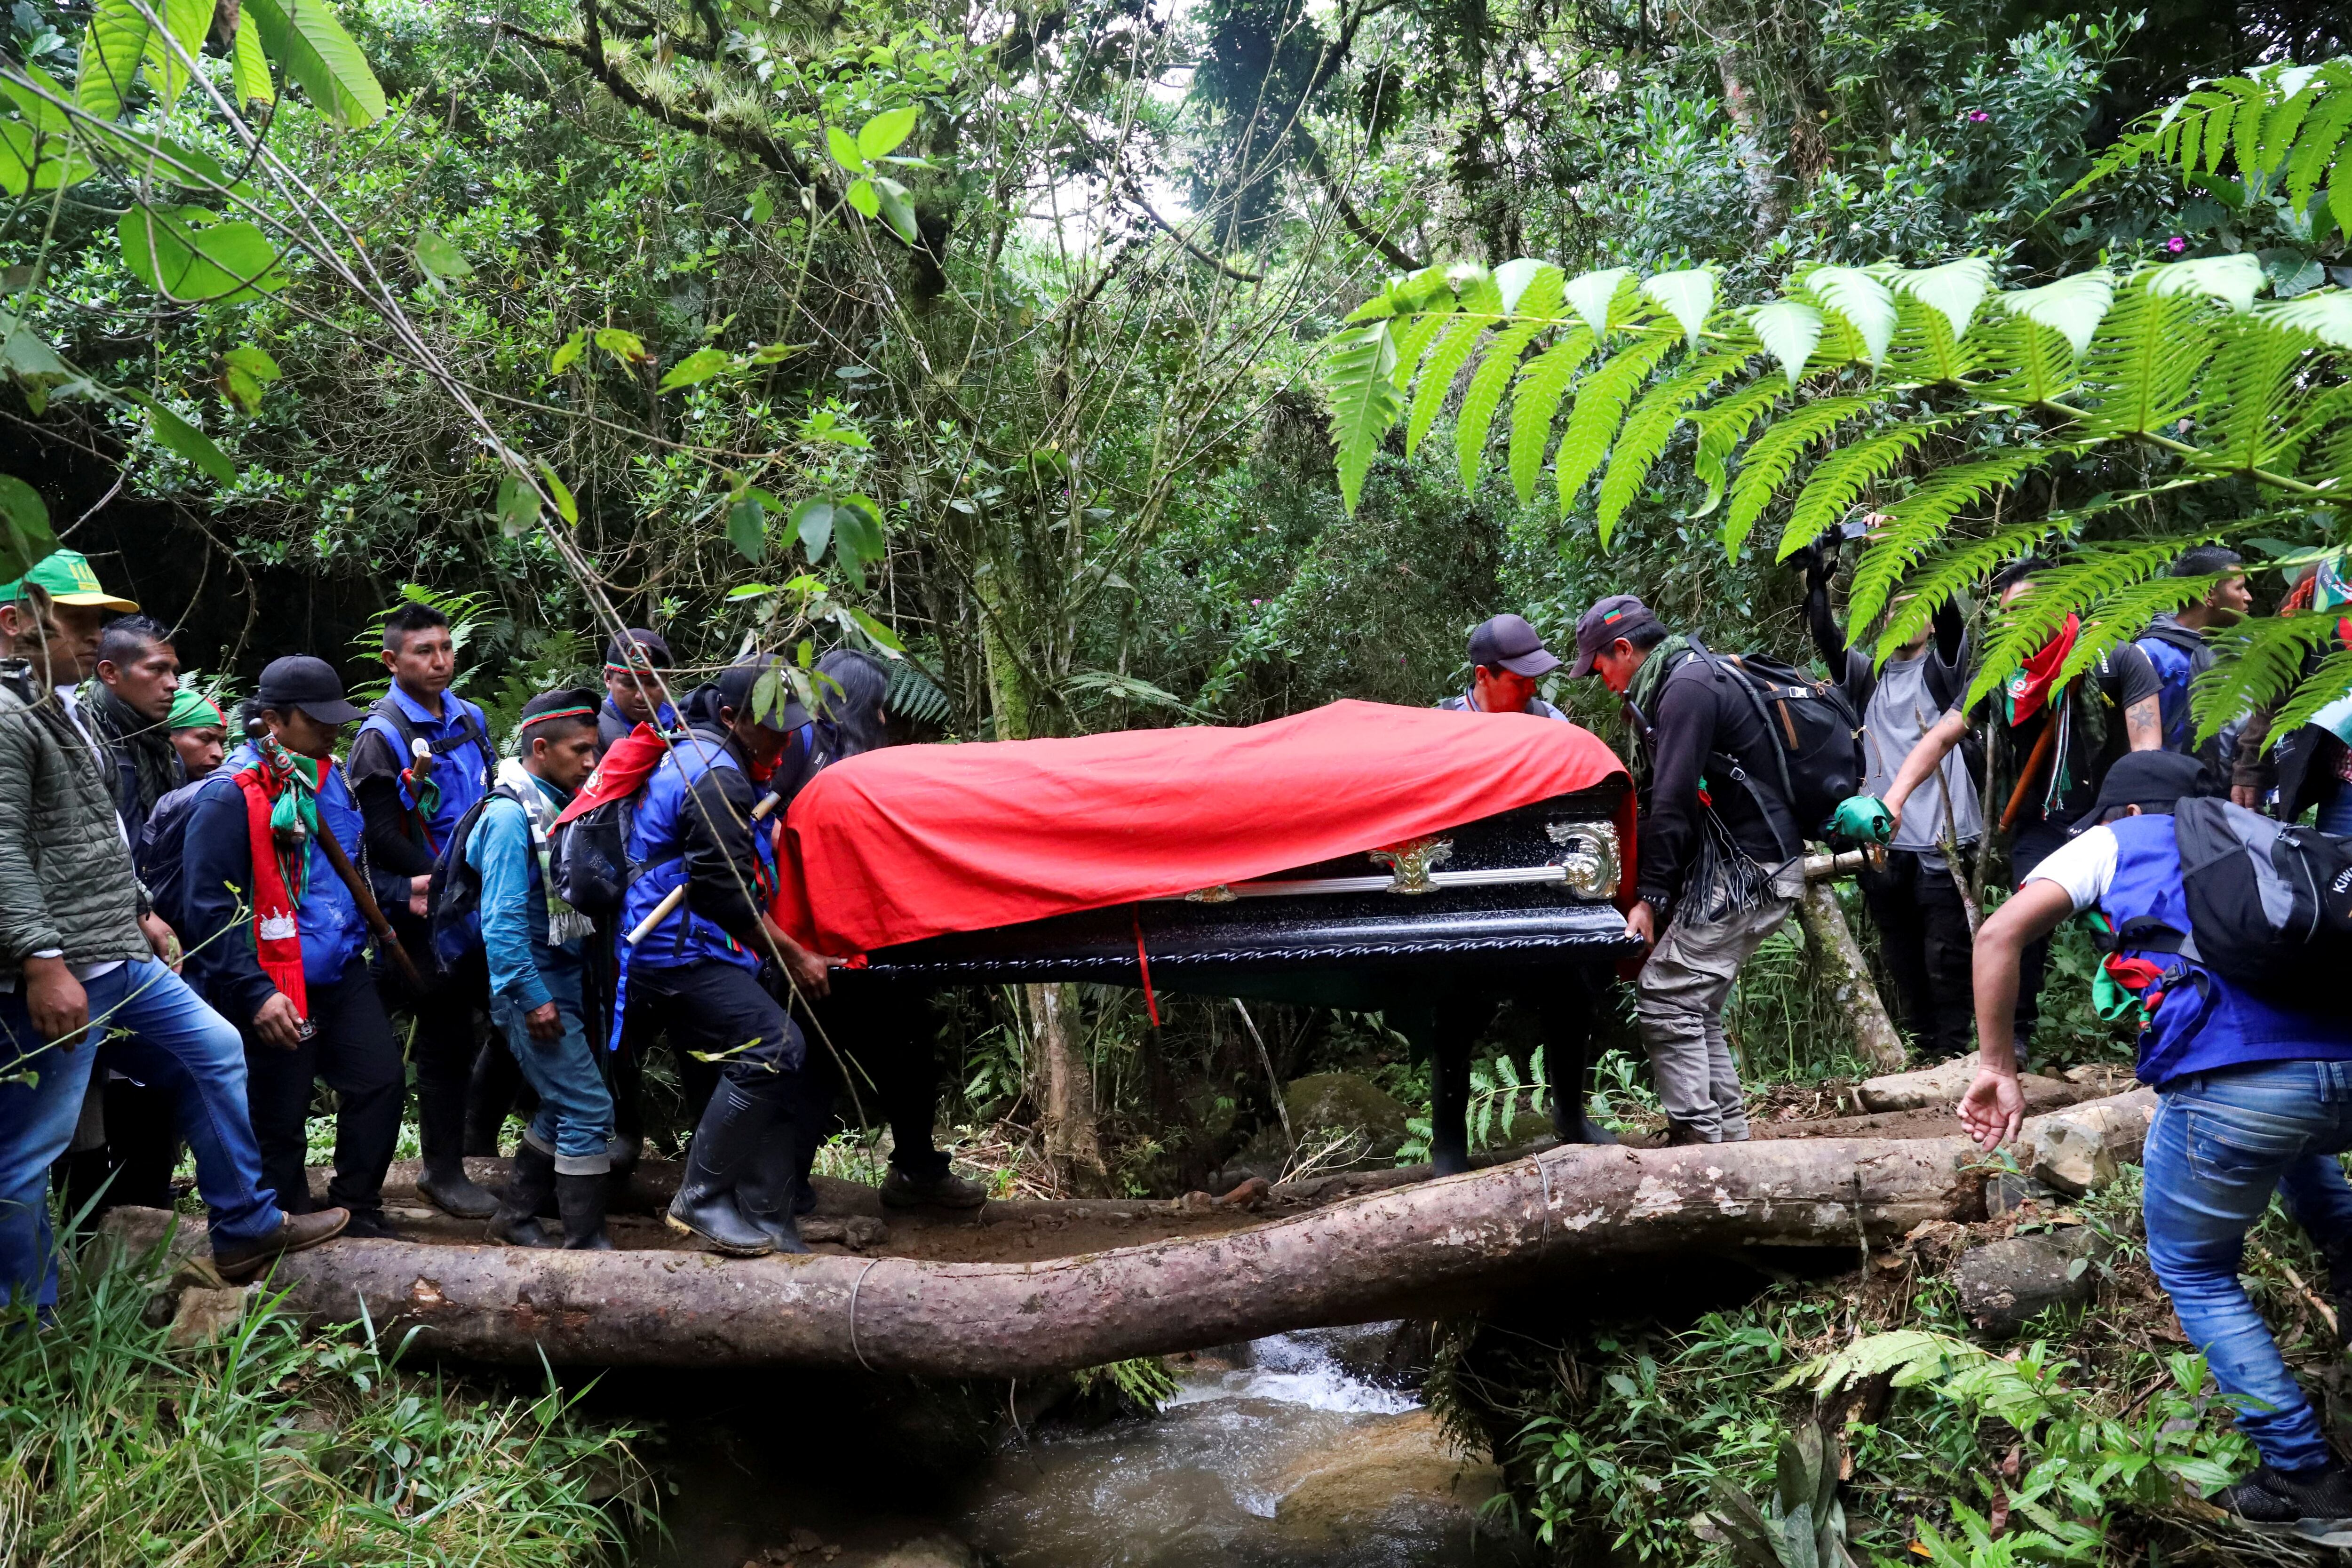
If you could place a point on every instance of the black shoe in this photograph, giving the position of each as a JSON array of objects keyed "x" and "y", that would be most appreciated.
[
  {"x": 726, "y": 1140},
  {"x": 450, "y": 1190},
  {"x": 370, "y": 1224},
  {"x": 2319, "y": 1496},
  {"x": 769, "y": 1187},
  {"x": 947, "y": 1190},
  {"x": 531, "y": 1183},
  {"x": 581, "y": 1199}
]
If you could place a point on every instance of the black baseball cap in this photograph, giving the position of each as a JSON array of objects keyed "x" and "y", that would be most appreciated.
[
  {"x": 1507, "y": 642},
  {"x": 649, "y": 650},
  {"x": 308, "y": 684},
  {"x": 2152, "y": 781},
  {"x": 1618, "y": 616}
]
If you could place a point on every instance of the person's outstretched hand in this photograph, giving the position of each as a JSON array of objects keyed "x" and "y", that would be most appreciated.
[{"x": 1993, "y": 1109}]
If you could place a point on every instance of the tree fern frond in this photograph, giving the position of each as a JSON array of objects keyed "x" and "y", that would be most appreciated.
[
  {"x": 2240, "y": 411},
  {"x": 1919, "y": 519},
  {"x": 2096, "y": 573},
  {"x": 2145, "y": 361},
  {"x": 1444, "y": 362},
  {"x": 1925, "y": 351},
  {"x": 1600, "y": 404},
  {"x": 1413, "y": 336},
  {"x": 1359, "y": 372},
  {"x": 1721, "y": 430},
  {"x": 2331, "y": 682},
  {"x": 2119, "y": 617},
  {"x": 1536, "y": 399},
  {"x": 1862, "y": 302},
  {"x": 1841, "y": 475},
  {"x": 1649, "y": 424},
  {"x": 1773, "y": 454},
  {"x": 1944, "y": 575},
  {"x": 2025, "y": 363},
  {"x": 2256, "y": 662},
  {"x": 2304, "y": 423},
  {"x": 1487, "y": 385}
]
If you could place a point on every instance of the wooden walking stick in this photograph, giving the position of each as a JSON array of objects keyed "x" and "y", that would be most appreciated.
[
  {"x": 2033, "y": 760},
  {"x": 677, "y": 896}
]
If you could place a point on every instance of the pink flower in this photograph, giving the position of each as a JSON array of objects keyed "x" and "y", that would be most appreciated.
[
  {"x": 2176, "y": 244},
  {"x": 1978, "y": 116}
]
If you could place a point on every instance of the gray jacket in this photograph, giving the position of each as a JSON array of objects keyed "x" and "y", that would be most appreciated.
[{"x": 66, "y": 882}]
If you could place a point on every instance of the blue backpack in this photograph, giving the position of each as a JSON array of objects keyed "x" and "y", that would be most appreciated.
[{"x": 2180, "y": 655}]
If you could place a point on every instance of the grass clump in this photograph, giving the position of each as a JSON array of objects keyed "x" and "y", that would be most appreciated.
[{"x": 273, "y": 1444}]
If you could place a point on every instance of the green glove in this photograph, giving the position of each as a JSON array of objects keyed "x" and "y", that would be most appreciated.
[{"x": 1862, "y": 819}]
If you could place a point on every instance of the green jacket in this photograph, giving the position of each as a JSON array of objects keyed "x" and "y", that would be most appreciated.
[{"x": 66, "y": 881}]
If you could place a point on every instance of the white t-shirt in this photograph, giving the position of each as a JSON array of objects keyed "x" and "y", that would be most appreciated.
[{"x": 2086, "y": 868}]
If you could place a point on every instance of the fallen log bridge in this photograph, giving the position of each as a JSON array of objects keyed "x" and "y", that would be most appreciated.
[{"x": 1453, "y": 1240}]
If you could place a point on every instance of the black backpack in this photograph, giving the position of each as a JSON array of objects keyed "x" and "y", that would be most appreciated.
[
  {"x": 2269, "y": 905},
  {"x": 452, "y": 899},
  {"x": 1817, "y": 756},
  {"x": 163, "y": 841}
]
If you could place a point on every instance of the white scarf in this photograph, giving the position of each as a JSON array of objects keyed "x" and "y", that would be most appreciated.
[{"x": 566, "y": 925}]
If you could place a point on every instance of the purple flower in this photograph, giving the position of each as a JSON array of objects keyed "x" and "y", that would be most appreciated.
[
  {"x": 1978, "y": 116},
  {"x": 2176, "y": 244},
  {"x": 1255, "y": 603}
]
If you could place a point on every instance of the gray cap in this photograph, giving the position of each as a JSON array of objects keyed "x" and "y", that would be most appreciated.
[
  {"x": 1618, "y": 616},
  {"x": 1507, "y": 642}
]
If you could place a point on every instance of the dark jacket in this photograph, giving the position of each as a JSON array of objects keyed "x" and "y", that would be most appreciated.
[{"x": 1706, "y": 733}]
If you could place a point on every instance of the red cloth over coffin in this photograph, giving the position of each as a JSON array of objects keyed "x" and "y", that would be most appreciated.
[{"x": 914, "y": 841}]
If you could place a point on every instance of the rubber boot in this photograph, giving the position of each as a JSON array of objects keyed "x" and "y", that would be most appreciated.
[
  {"x": 581, "y": 1199},
  {"x": 441, "y": 1132},
  {"x": 771, "y": 1183},
  {"x": 726, "y": 1140},
  {"x": 1572, "y": 1079},
  {"x": 493, "y": 1090},
  {"x": 516, "y": 1223}
]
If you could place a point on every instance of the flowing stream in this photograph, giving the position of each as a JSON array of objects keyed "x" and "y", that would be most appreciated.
[{"x": 1293, "y": 1451}]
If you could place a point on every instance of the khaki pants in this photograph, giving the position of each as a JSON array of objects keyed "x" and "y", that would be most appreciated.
[{"x": 1679, "y": 997}]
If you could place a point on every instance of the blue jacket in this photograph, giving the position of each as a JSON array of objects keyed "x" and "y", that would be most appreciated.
[
  {"x": 692, "y": 825},
  {"x": 524, "y": 966},
  {"x": 216, "y": 868},
  {"x": 463, "y": 773},
  {"x": 2203, "y": 1022}
]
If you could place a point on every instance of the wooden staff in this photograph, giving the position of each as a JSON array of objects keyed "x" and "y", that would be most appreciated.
[
  {"x": 369, "y": 909},
  {"x": 677, "y": 896},
  {"x": 2033, "y": 760}
]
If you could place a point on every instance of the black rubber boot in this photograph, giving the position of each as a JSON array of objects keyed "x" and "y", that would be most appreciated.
[
  {"x": 532, "y": 1181},
  {"x": 441, "y": 1132},
  {"x": 770, "y": 1181},
  {"x": 2319, "y": 1496},
  {"x": 581, "y": 1199},
  {"x": 726, "y": 1140},
  {"x": 1571, "y": 1080}
]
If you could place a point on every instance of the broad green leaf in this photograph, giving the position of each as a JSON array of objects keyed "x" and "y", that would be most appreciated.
[
  {"x": 891, "y": 196},
  {"x": 1591, "y": 293},
  {"x": 747, "y": 527},
  {"x": 560, "y": 492},
  {"x": 2072, "y": 307},
  {"x": 185, "y": 22},
  {"x": 762, "y": 208},
  {"x": 31, "y": 364},
  {"x": 624, "y": 346},
  {"x": 884, "y": 638},
  {"x": 882, "y": 134},
  {"x": 813, "y": 524},
  {"x": 857, "y": 533},
  {"x": 245, "y": 373},
  {"x": 111, "y": 48},
  {"x": 1864, "y": 303},
  {"x": 518, "y": 506},
  {"x": 175, "y": 252},
  {"x": 568, "y": 350},
  {"x": 2232, "y": 280},
  {"x": 439, "y": 256},
  {"x": 303, "y": 37},
  {"x": 1790, "y": 330},
  {"x": 1688, "y": 296},
  {"x": 177, "y": 436},
  {"x": 1358, "y": 371},
  {"x": 843, "y": 148},
  {"x": 862, "y": 196},
  {"x": 32, "y": 161},
  {"x": 1953, "y": 291},
  {"x": 38, "y": 98},
  {"x": 249, "y": 66},
  {"x": 697, "y": 367},
  {"x": 26, "y": 538}
]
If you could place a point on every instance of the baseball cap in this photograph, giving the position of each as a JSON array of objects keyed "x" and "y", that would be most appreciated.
[
  {"x": 1619, "y": 615},
  {"x": 192, "y": 710},
  {"x": 66, "y": 577},
  {"x": 309, "y": 684},
  {"x": 649, "y": 649},
  {"x": 2152, "y": 781},
  {"x": 1507, "y": 642}
]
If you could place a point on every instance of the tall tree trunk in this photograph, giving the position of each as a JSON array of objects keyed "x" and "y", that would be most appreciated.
[
  {"x": 1766, "y": 203},
  {"x": 1839, "y": 954}
]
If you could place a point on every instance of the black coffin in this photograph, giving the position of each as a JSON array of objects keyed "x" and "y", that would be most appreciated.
[{"x": 1312, "y": 943}]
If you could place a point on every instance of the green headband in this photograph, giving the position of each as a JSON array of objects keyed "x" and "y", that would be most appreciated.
[{"x": 192, "y": 710}]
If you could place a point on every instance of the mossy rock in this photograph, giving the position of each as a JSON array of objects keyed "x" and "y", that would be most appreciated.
[{"x": 1342, "y": 1100}]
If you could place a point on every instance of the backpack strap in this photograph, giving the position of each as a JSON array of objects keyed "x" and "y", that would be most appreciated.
[{"x": 1780, "y": 813}]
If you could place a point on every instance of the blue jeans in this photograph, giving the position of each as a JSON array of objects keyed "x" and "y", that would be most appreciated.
[
  {"x": 574, "y": 1120},
  {"x": 168, "y": 1039},
  {"x": 2336, "y": 816},
  {"x": 2221, "y": 1144}
]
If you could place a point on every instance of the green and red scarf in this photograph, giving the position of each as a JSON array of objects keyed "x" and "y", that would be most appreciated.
[{"x": 281, "y": 816}]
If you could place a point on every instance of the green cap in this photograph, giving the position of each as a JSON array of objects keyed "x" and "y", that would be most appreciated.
[
  {"x": 66, "y": 577},
  {"x": 1862, "y": 819},
  {"x": 192, "y": 710}
]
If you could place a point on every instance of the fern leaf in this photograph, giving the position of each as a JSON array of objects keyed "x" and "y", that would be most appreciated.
[
  {"x": 1413, "y": 340},
  {"x": 2257, "y": 662},
  {"x": 1688, "y": 296},
  {"x": 2315, "y": 154},
  {"x": 1936, "y": 580},
  {"x": 1446, "y": 357},
  {"x": 1720, "y": 430},
  {"x": 1526, "y": 282},
  {"x": 2115, "y": 617},
  {"x": 1953, "y": 291},
  {"x": 2146, "y": 360},
  {"x": 1594, "y": 295},
  {"x": 1647, "y": 427},
  {"x": 2072, "y": 307},
  {"x": 1600, "y": 404},
  {"x": 1358, "y": 373},
  {"x": 1841, "y": 475},
  {"x": 1790, "y": 330},
  {"x": 2330, "y": 683},
  {"x": 1487, "y": 385},
  {"x": 2323, "y": 318},
  {"x": 1919, "y": 519},
  {"x": 1773, "y": 456},
  {"x": 1859, "y": 300},
  {"x": 1541, "y": 386},
  {"x": 2244, "y": 397}
]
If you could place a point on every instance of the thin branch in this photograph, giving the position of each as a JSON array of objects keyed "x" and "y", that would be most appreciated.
[{"x": 1206, "y": 257}]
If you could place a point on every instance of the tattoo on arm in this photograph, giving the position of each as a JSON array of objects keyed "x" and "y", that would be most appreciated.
[{"x": 2143, "y": 724}]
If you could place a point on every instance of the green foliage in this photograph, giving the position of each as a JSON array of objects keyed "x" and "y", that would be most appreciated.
[
  {"x": 1806, "y": 1526},
  {"x": 1136, "y": 1387}
]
